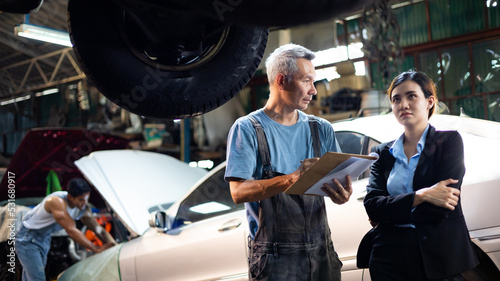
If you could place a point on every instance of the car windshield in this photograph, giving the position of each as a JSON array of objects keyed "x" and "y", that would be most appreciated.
[
  {"x": 211, "y": 198},
  {"x": 350, "y": 142},
  {"x": 160, "y": 207}
]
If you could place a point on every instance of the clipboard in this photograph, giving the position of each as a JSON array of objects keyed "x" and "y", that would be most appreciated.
[{"x": 326, "y": 167}]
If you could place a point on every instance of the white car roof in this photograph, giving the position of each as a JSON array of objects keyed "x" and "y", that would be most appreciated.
[
  {"x": 385, "y": 128},
  {"x": 481, "y": 139}
]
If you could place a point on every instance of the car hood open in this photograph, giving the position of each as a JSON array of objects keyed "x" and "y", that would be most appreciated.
[{"x": 135, "y": 183}]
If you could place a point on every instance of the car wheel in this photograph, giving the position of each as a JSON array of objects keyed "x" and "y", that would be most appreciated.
[
  {"x": 20, "y": 7},
  {"x": 162, "y": 62}
]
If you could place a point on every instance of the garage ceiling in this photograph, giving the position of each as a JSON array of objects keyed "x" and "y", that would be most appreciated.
[{"x": 28, "y": 65}]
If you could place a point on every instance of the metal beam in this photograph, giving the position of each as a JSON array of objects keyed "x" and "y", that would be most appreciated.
[{"x": 60, "y": 55}]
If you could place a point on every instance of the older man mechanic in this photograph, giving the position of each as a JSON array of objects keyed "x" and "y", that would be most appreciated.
[
  {"x": 289, "y": 234},
  {"x": 57, "y": 211}
]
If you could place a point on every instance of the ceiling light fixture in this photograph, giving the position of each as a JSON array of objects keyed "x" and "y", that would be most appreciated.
[
  {"x": 27, "y": 97},
  {"x": 47, "y": 92},
  {"x": 14, "y": 100},
  {"x": 46, "y": 34}
]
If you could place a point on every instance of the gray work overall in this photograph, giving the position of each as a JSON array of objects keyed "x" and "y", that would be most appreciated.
[
  {"x": 32, "y": 248},
  {"x": 293, "y": 241}
]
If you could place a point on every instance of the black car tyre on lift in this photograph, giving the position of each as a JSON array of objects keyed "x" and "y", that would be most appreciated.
[
  {"x": 20, "y": 7},
  {"x": 162, "y": 63}
]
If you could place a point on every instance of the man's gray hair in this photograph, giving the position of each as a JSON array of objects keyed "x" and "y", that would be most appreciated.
[{"x": 284, "y": 60}]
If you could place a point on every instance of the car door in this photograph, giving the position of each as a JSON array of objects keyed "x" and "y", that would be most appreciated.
[
  {"x": 206, "y": 242},
  {"x": 349, "y": 222}
]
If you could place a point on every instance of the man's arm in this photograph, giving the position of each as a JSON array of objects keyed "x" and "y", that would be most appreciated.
[
  {"x": 57, "y": 207},
  {"x": 93, "y": 225},
  {"x": 255, "y": 190}
]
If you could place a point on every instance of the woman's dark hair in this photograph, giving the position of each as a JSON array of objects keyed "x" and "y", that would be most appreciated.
[
  {"x": 77, "y": 187},
  {"x": 426, "y": 84}
]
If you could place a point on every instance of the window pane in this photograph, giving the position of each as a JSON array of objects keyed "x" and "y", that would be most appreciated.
[
  {"x": 350, "y": 142},
  {"x": 493, "y": 107},
  {"x": 354, "y": 31},
  {"x": 341, "y": 37},
  {"x": 210, "y": 199},
  {"x": 472, "y": 107},
  {"x": 371, "y": 145},
  {"x": 456, "y": 74},
  {"x": 429, "y": 63},
  {"x": 486, "y": 57}
]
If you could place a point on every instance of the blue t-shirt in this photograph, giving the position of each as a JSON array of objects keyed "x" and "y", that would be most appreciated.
[{"x": 288, "y": 145}]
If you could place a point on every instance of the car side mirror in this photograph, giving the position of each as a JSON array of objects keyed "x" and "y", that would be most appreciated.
[{"x": 158, "y": 220}]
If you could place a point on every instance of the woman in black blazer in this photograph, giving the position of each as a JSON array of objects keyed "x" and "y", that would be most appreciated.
[{"x": 414, "y": 193}]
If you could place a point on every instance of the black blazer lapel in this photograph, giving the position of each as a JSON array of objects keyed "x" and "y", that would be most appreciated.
[
  {"x": 425, "y": 157},
  {"x": 388, "y": 159}
]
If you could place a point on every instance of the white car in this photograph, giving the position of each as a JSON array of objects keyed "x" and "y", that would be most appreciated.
[{"x": 204, "y": 235}]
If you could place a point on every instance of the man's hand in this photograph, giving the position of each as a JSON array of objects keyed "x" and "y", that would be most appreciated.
[
  {"x": 439, "y": 194},
  {"x": 305, "y": 165},
  {"x": 338, "y": 193},
  {"x": 249, "y": 190},
  {"x": 89, "y": 220},
  {"x": 104, "y": 247}
]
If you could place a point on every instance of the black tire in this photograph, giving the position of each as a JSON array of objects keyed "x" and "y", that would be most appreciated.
[
  {"x": 111, "y": 52},
  {"x": 20, "y": 7},
  {"x": 278, "y": 12}
]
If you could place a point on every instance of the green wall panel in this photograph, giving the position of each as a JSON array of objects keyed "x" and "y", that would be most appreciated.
[
  {"x": 451, "y": 18},
  {"x": 377, "y": 80},
  {"x": 413, "y": 24}
]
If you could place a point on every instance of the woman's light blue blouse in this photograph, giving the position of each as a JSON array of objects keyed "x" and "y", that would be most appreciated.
[{"x": 401, "y": 177}]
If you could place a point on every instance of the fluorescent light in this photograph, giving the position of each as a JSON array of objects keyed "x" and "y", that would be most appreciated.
[
  {"x": 43, "y": 33},
  {"x": 6, "y": 102},
  {"x": 27, "y": 97},
  {"x": 206, "y": 164},
  {"x": 47, "y": 92}
]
